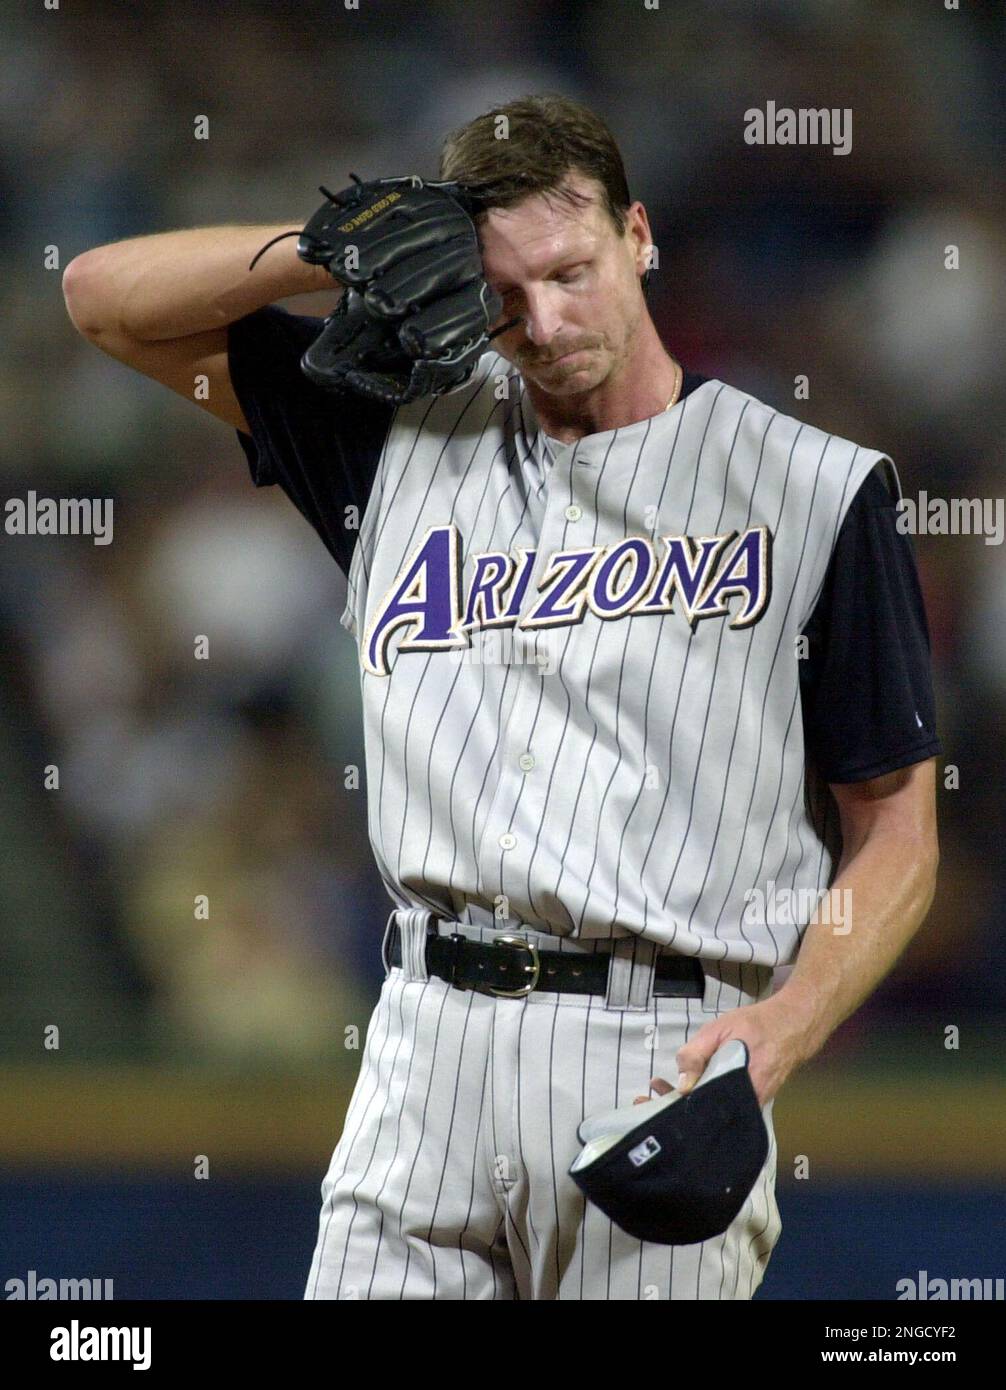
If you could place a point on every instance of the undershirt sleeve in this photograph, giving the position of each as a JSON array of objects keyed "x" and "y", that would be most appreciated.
[
  {"x": 866, "y": 684},
  {"x": 320, "y": 447}
]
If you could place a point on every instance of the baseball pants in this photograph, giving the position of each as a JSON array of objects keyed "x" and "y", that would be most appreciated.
[{"x": 450, "y": 1178}]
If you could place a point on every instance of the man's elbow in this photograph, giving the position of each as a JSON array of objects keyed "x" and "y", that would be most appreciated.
[{"x": 927, "y": 860}]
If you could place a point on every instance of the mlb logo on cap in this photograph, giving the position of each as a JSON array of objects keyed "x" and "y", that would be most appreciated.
[{"x": 643, "y": 1152}]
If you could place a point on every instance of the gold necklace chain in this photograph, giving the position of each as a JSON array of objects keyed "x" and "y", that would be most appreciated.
[{"x": 678, "y": 379}]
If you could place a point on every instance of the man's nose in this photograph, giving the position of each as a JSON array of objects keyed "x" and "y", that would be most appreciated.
[{"x": 542, "y": 319}]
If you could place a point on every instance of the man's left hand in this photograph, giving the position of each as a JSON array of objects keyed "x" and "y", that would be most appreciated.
[{"x": 777, "y": 1043}]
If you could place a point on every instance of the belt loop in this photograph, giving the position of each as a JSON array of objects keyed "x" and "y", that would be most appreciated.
[
  {"x": 414, "y": 925},
  {"x": 389, "y": 928},
  {"x": 630, "y": 974}
]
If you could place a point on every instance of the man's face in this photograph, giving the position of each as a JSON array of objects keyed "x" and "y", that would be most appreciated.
[{"x": 573, "y": 281}]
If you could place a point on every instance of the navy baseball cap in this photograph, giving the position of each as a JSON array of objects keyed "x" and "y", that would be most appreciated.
[{"x": 678, "y": 1169}]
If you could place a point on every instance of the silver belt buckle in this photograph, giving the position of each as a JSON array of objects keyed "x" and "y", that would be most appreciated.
[{"x": 534, "y": 969}]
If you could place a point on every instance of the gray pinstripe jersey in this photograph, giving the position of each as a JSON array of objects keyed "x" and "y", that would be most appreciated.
[{"x": 579, "y": 664}]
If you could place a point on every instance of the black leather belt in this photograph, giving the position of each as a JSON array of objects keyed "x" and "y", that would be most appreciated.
[{"x": 511, "y": 966}]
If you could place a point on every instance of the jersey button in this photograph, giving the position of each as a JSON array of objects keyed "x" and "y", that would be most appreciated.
[
  {"x": 507, "y": 841},
  {"x": 573, "y": 512},
  {"x": 526, "y": 761}
]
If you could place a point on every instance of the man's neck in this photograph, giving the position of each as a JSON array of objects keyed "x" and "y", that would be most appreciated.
[{"x": 641, "y": 389}]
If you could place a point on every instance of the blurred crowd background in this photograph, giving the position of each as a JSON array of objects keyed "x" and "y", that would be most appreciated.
[
  {"x": 229, "y": 776},
  {"x": 230, "y": 773}
]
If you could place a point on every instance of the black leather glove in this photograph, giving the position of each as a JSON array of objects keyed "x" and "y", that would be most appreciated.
[{"x": 417, "y": 310}]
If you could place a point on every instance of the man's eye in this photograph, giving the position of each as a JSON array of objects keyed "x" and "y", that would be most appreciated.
[{"x": 568, "y": 276}]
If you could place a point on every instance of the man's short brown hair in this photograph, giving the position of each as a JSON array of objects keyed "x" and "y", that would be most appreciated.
[{"x": 542, "y": 140}]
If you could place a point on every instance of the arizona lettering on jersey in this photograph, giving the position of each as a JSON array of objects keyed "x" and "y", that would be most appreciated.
[
  {"x": 654, "y": 774},
  {"x": 703, "y": 574}
]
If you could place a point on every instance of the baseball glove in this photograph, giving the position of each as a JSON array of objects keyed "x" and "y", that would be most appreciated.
[{"x": 415, "y": 316}]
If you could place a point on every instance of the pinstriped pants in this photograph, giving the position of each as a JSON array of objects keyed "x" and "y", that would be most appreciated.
[{"x": 450, "y": 1178}]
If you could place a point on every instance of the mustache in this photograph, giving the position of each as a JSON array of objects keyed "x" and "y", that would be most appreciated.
[{"x": 545, "y": 361}]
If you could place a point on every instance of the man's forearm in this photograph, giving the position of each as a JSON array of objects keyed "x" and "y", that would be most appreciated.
[
  {"x": 174, "y": 284},
  {"x": 888, "y": 885}
]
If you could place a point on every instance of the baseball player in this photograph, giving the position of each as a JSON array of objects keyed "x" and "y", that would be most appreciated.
[{"x": 645, "y": 671}]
